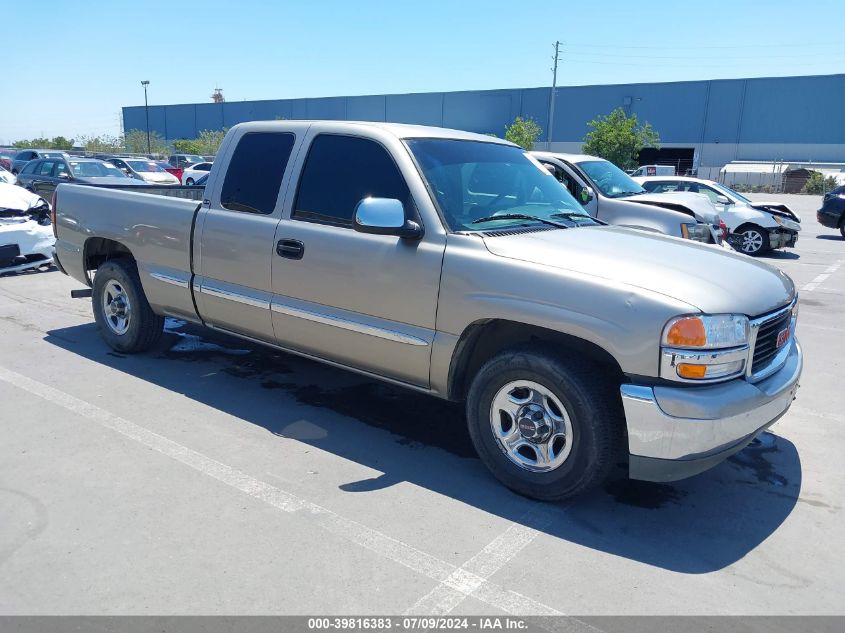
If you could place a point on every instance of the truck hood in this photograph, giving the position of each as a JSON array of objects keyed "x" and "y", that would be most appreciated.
[
  {"x": 696, "y": 203},
  {"x": 709, "y": 278}
]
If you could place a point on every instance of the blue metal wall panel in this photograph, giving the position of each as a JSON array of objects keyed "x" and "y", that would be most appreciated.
[
  {"x": 329, "y": 108},
  {"x": 771, "y": 110},
  {"x": 421, "y": 109},
  {"x": 723, "y": 106},
  {"x": 483, "y": 112},
  {"x": 208, "y": 116},
  {"x": 794, "y": 110},
  {"x": 369, "y": 108},
  {"x": 180, "y": 121}
]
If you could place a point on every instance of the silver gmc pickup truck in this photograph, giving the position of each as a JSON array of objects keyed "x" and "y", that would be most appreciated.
[{"x": 457, "y": 265}]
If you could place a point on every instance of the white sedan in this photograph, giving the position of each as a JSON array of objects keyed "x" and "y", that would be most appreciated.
[
  {"x": 26, "y": 236},
  {"x": 758, "y": 226},
  {"x": 193, "y": 173},
  {"x": 6, "y": 176}
]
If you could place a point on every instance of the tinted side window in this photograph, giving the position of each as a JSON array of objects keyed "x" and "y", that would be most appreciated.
[
  {"x": 30, "y": 167},
  {"x": 46, "y": 168},
  {"x": 339, "y": 172},
  {"x": 254, "y": 174}
]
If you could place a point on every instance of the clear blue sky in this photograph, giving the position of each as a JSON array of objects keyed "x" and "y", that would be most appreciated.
[{"x": 71, "y": 66}]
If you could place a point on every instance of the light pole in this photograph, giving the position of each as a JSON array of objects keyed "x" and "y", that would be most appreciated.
[{"x": 147, "y": 114}]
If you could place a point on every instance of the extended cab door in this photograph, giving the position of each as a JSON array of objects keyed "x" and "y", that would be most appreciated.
[
  {"x": 234, "y": 235},
  {"x": 365, "y": 301}
]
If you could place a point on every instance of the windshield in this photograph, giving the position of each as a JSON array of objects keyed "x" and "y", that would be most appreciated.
[
  {"x": 144, "y": 165},
  {"x": 193, "y": 159},
  {"x": 91, "y": 169},
  {"x": 472, "y": 180},
  {"x": 609, "y": 179},
  {"x": 730, "y": 192}
]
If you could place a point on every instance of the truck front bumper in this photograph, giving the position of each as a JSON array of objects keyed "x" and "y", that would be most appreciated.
[{"x": 676, "y": 432}]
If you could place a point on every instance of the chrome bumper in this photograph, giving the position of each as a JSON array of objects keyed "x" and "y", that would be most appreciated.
[{"x": 676, "y": 432}]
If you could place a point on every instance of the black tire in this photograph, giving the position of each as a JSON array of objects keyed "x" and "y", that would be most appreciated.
[
  {"x": 145, "y": 327},
  {"x": 762, "y": 238},
  {"x": 594, "y": 407},
  {"x": 189, "y": 182},
  {"x": 842, "y": 226}
]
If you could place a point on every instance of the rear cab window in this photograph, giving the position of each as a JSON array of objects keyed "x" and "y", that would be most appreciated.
[{"x": 255, "y": 172}]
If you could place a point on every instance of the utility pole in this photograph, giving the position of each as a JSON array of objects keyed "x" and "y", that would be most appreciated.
[
  {"x": 552, "y": 97},
  {"x": 147, "y": 114}
]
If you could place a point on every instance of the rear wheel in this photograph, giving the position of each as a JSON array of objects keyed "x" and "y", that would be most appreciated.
[
  {"x": 189, "y": 182},
  {"x": 842, "y": 226},
  {"x": 755, "y": 240},
  {"x": 546, "y": 428},
  {"x": 124, "y": 317}
]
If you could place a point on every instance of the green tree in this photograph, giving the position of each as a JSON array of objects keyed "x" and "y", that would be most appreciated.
[
  {"x": 36, "y": 143},
  {"x": 619, "y": 138},
  {"x": 187, "y": 146},
  {"x": 135, "y": 142},
  {"x": 523, "y": 132},
  {"x": 105, "y": 143},
  {"x": 60, "y": 142},
  {"x": 210, "y": 140},
  {"x": 818, "y": 184}
]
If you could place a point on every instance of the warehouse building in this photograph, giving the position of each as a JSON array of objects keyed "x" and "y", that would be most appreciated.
[{"x": 702, "y": 124}]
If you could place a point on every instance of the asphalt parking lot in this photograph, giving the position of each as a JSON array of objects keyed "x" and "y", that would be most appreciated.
[{"x": 212, "y": 477}]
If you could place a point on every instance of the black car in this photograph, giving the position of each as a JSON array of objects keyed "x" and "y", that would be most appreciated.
[
  {"x": 26, "y": 155},
  {"x": 43, "y": 176},
  {"x": 832, "y": 213}
]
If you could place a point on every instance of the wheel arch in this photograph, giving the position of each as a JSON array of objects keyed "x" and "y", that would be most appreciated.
[
  {"x": 98, "y": 250},
  {"x": 483, "y": 339}
]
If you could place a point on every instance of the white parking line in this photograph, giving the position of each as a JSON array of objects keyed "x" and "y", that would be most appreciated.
[
  {"x": 464, "y": 581},
  {"x": 468, "y": 578},
  {"x": 823, "y": 277}
]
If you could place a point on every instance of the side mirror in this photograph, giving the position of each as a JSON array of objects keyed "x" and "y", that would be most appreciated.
[
  {"x": 63, "y": 176},
  {"x": 587, "y": 194},
  {"x": 385, "y": 216},
  {"x": 720, "y": 199}
]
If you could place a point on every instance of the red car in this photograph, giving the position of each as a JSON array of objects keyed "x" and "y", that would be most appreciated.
[
  {"x": 170, "y": 169},
  {"x": 6, "y": 156}
]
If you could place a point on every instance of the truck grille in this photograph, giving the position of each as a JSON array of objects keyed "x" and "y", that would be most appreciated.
[{"x": 765, "y": 348}]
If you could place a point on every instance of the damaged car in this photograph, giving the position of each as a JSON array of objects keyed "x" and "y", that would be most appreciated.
[{"x": 26, "y": 234}]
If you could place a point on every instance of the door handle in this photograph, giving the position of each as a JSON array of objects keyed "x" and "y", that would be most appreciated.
[{"x": 291, "y": 249}]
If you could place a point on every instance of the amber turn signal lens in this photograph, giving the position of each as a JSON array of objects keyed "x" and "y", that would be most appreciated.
[
  {"x": 685, "y": 370},
  {"x": 687, "y": 333}
]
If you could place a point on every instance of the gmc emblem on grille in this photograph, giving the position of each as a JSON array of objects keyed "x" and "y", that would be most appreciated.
[{"x": 783, "y": 337}]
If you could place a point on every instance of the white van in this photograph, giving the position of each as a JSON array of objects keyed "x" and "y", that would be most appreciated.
[{"x": 654, "y": 170}]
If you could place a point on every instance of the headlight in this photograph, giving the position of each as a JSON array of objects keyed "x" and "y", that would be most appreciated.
[
  {"x": 707, "y": 332},
  {"x": 696, "y": 231},
  {"x": 777, "y": 219},
  {"x": 705, "y": 347}
]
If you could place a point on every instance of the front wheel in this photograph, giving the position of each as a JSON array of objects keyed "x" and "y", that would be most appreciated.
[
  {"x": 189, "y": 182},
  {"x": 754, "y": 240},
  {"x": 842, "y": 226},
  {"x": 124, "y": 317},
  {"x": 545, "y": 427}
]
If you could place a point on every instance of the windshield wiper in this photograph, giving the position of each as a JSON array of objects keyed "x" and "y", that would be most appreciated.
[{"x": 519, "y": 216}]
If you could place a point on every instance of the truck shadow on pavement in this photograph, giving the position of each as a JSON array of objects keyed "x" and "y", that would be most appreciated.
[{"x": 693, "y": 526}]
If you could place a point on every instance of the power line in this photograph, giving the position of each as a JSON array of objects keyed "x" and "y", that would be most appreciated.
[
  {"x": 612, "y": 45},
  {"x": 681, "y": 57}
]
